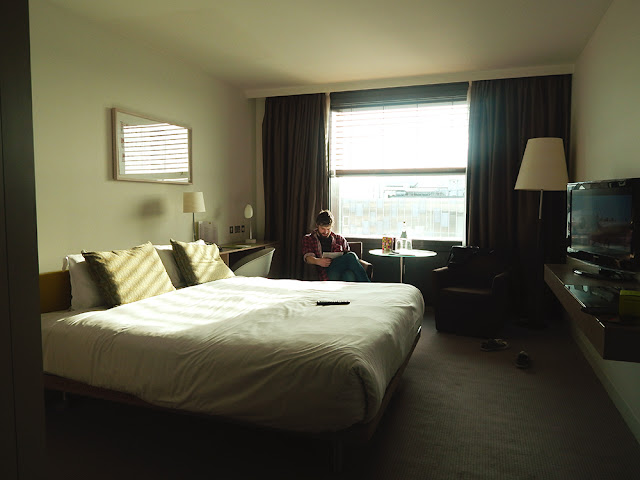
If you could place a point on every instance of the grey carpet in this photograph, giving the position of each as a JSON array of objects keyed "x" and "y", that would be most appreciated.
[{"x": 459, "y": 413}]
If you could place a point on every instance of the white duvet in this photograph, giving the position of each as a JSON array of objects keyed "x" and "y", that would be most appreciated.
[{"x": 247, "y": 348}]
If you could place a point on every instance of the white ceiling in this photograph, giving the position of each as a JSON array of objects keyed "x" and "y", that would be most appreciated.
[{"x": 279, "y": 45}]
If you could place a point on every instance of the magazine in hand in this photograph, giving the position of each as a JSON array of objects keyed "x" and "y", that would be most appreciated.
[{"x": 331, "y": 254}]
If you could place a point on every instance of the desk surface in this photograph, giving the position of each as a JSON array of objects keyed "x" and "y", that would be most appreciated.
[
  {"x": 241, "y": 246},
  {"x": 232, "y": 252},
  {"x": 612, "y": 339},
  {"x": 403, "y": 253}
]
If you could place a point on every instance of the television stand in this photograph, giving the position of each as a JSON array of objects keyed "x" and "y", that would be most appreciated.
[
  {"x": 606, "y": 274},
  {"x": 612, "y": 338}
]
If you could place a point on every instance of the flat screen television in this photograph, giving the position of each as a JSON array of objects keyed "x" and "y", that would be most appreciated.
[{"x": 603, "y": 225}]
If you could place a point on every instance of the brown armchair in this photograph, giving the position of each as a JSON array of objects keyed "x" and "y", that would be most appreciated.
[
  {"x": 310, "y": 272},
  {"x": 472, "y": 298}
]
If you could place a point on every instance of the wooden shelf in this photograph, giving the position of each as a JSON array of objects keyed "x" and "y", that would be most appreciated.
[{"x": 613, "y": 340}]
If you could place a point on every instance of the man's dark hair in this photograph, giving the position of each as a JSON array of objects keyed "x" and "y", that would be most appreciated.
[{"x": 324, "y": 218}]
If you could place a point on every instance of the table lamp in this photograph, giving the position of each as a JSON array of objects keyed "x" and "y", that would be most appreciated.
[
  {"x": 248, "y": 214},
  {"x": 193, "y": 202}
]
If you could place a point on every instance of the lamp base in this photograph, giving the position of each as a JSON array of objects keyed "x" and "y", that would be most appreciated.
[{"x": 250, "y": 240}]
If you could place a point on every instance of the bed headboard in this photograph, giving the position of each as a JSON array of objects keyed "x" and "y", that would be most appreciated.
[{"x": 55, "y": 291}]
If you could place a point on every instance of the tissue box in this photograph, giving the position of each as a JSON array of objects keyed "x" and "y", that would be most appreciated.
[
  {"x": 629, "y": 303},
  {"x": 387, "y": 244}
]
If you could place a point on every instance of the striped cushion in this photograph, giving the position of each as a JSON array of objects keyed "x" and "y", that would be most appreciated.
[
  {"x": 200, "y": 263},
  {"x": 125, "y": 276}
]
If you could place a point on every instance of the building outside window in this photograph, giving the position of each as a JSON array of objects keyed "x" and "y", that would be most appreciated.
[{"x": 399, "y": 155}]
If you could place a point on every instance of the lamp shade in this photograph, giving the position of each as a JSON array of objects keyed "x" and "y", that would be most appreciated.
[
  {"x": 543, "y": 166},
  {"x": 193, "y": 202},
  {"x": 248, "y": 211}
]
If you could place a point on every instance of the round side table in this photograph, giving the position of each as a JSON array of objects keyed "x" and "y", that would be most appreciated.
[{"x": 402, "y": 254}]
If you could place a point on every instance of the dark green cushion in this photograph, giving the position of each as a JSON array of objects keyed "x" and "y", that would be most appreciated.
[
  {"x": 200, "y": 263},
  {"x": 125, "y": 276}
]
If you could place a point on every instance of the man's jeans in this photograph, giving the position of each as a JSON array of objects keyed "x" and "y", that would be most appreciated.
[{"x": 347, "y": 268}]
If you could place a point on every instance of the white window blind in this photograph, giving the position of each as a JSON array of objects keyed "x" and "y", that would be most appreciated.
[
  {"x": 150, "y": 150},
  {"x": 417, "y": 137},
  {"x": 155, "y": 148}
]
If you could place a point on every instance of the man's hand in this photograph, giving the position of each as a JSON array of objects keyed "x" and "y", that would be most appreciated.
[{"x": 322, "y": 262}]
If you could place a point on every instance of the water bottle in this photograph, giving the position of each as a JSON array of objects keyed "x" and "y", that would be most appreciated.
[{"x": 403, "y": 243}]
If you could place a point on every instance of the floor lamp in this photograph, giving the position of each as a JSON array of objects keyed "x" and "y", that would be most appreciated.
[{"x": 543, "y": 168}]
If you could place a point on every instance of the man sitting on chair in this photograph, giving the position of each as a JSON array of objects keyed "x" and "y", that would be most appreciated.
[{"x": 345, "y": 267}]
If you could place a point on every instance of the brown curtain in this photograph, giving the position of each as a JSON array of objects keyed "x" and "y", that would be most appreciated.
[
  {"x": 296, "y": 178},
  {"x": 503, "y": 115}
]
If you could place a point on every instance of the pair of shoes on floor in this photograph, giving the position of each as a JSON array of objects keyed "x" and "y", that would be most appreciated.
[
  {"x": 523, "y": 360},
  {"x": 493, "y": 345}
]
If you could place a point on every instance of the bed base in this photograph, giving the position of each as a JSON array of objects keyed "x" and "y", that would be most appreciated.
[
  {"x": 55, "y": 294},
  {"x": 357, "y": 434}
]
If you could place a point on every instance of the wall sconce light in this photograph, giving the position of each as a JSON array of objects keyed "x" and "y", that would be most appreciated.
[{"x": 248, "y": 214}]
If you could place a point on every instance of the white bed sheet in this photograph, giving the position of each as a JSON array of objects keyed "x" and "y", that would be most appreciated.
[{"x": 247, "y": 348}]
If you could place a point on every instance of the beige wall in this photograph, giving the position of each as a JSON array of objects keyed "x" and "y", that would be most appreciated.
[
  {"x": 605, "y": 144},
  {"x": 606, "y": 98},
  {"x": 79, "y": 72}
]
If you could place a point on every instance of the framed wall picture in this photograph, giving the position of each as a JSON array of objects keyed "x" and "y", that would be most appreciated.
[{"x": 150, "y": 150}]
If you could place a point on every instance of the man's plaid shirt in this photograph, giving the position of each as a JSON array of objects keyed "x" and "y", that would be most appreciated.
[{"x": 311, "y": 246}]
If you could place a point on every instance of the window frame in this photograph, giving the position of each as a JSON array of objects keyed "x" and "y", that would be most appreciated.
[{"x": 443, "y": 93}]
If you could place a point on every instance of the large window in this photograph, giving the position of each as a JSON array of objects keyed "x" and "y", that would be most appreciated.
[{"x": 400, "y": 155}]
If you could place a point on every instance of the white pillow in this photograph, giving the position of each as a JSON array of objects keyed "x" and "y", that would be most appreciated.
[
  {"x": 166, "y": 255},
  {"x": 170, "y": 265},
  {"x": 84, "y": 291}
]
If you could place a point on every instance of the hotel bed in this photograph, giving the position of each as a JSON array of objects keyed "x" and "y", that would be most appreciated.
[{"x": 248, "y": 349}]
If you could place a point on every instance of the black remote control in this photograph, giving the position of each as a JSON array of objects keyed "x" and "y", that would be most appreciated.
[{"x": 333, "y": 302}]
